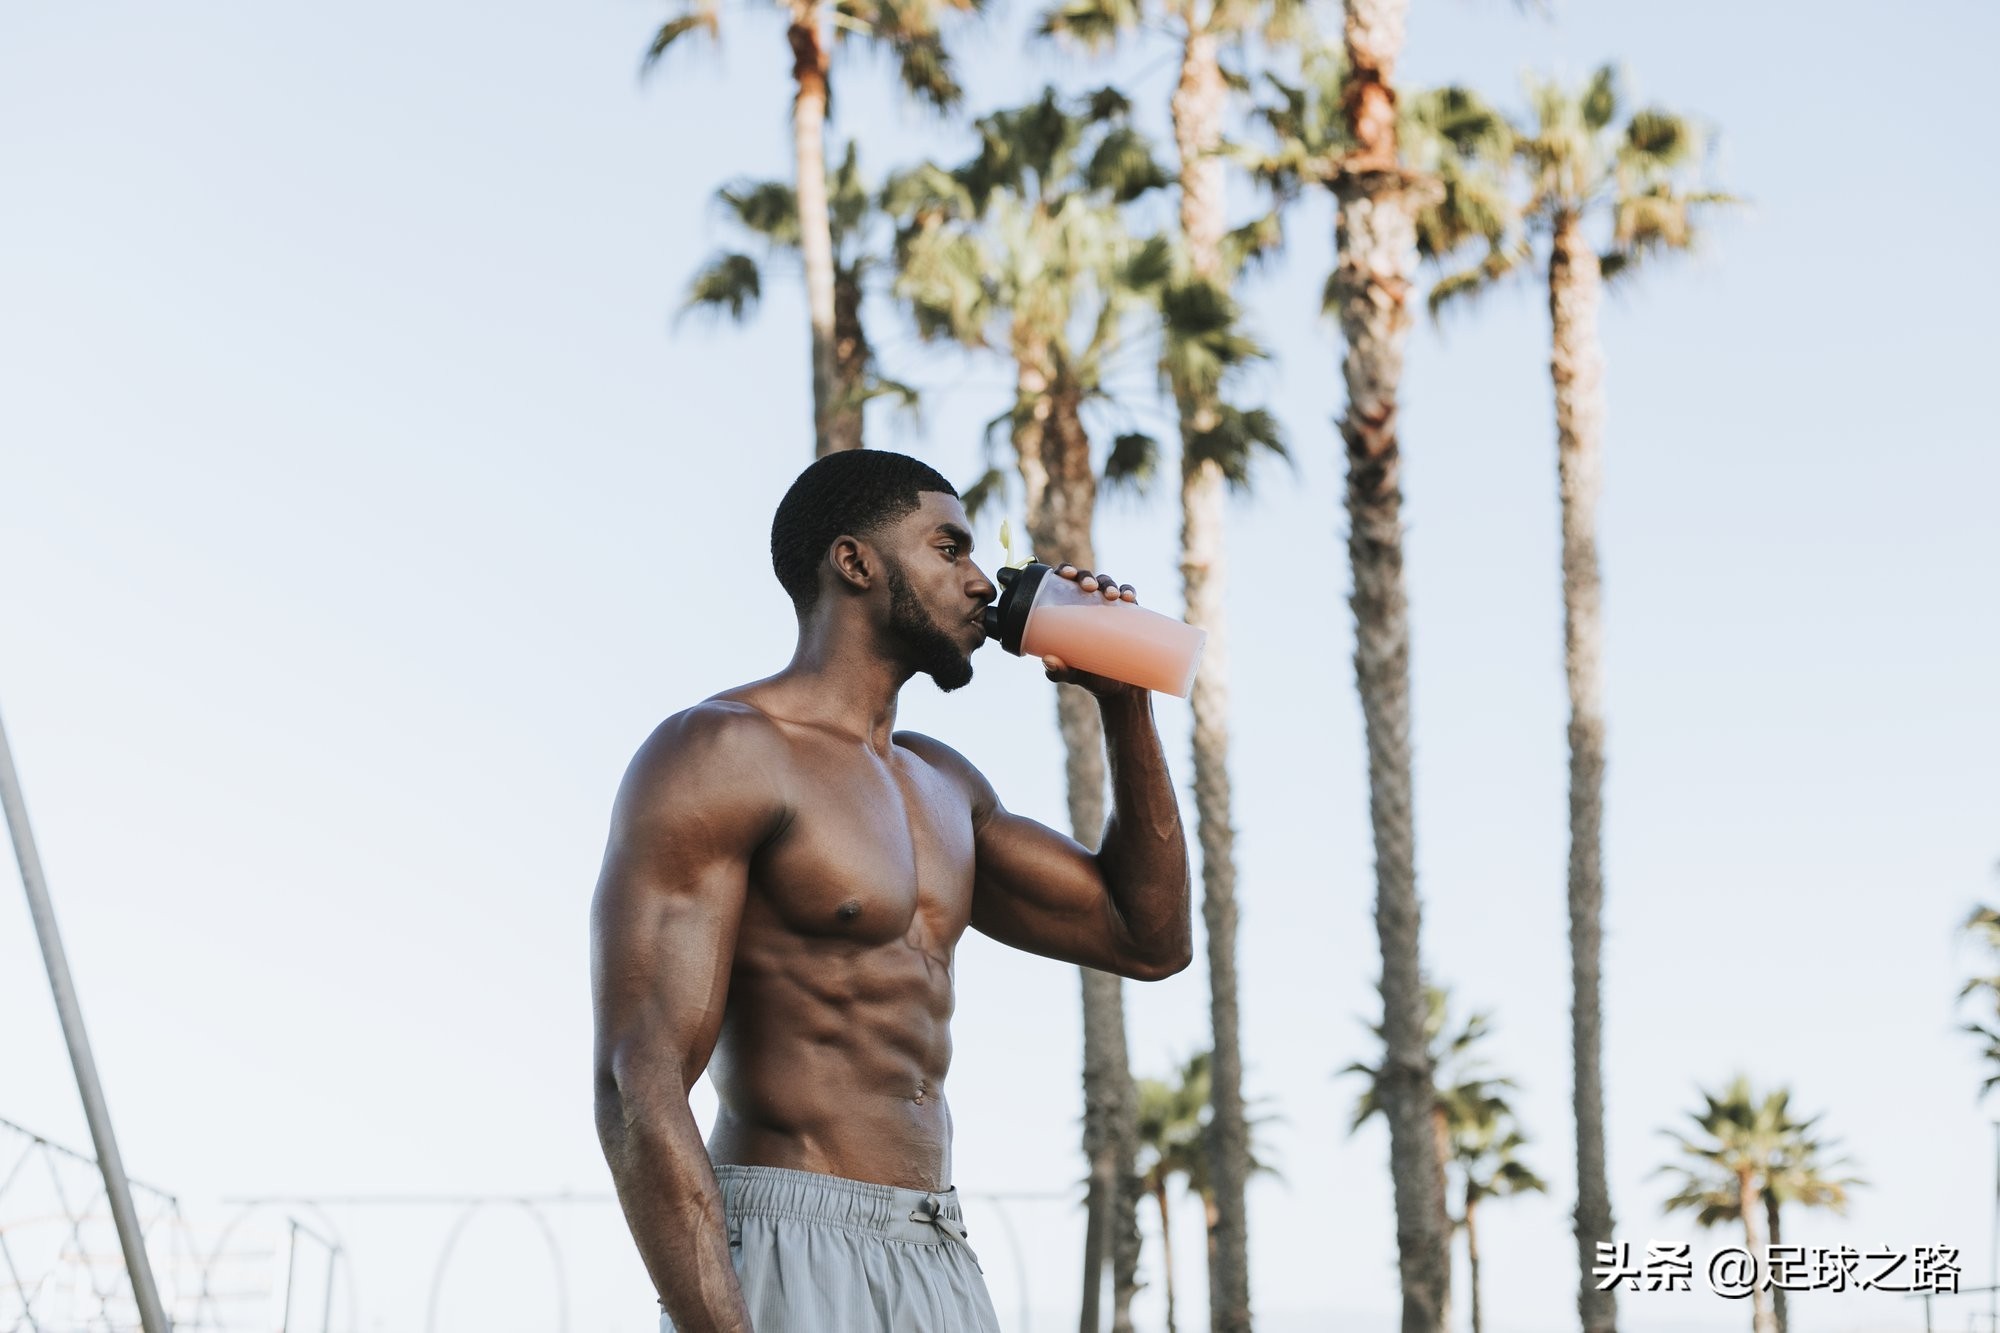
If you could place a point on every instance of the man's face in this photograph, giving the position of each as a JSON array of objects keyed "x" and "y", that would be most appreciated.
[{"x": 936, "y": 592}]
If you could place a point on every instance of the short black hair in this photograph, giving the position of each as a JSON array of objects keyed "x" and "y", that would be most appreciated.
[{"x": 854, "y": 492}]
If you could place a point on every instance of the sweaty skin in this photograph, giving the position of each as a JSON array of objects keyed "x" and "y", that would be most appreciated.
[{"x": 785, "y": 885}]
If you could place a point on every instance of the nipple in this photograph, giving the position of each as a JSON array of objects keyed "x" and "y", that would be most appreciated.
[
  {"x": 920, "y": 1092},
  {"x": 849, "y": 910}
]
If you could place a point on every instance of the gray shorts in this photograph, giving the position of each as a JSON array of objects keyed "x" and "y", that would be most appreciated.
[{"x": 820, "y": 1254}]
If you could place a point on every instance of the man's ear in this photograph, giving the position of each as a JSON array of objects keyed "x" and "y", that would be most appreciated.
[{"x": 855, "y": 562}]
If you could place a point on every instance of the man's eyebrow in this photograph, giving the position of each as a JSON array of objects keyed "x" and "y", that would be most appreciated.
[{"x": 957, "y": 534}]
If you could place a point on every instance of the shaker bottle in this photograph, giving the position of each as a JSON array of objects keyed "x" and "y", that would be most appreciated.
[{"x": 1040, "y": 613}]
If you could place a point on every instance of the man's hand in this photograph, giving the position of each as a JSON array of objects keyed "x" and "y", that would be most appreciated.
[{"x": 1059, "y": 671}]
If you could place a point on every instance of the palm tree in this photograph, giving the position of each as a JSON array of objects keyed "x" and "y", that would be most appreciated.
[
  {"x": 1170, "y": 1144},
  {"x": 1585, "y": 164},
  {"x": 1464, "y": 1095},
  {"x": 1342, "y": 128},
  {"x": 731, "y": 283},
  {"x": 1216, "y": 442},
  {"x": 1800, "y": 1173},
  {"x": 910, "y": 30},
  {"x": 1014, "y": 252},
  {"x": 1176, "y": 1129},
  {"x": 1485, "y": 1140},
  {"x": 1984, "y": 926},
  {"x": 1751, "y": 1158}
]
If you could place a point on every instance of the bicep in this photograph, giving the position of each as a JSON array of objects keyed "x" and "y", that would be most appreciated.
[
  {"x": 1040, "y": 890},
  {"x": 668, "y": 903}
]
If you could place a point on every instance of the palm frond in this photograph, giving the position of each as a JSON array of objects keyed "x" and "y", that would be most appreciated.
[
  {"x": 1133, "y": 462},
  {"x": 1148, "y": 265},
  {"x": 701, "y": 18},
  {"x": 905, "y": 399},
  {"x": 991, "y": 486},
  {"x": 1454, "y": 288},
  {"x": 769, "y": 209},
  {"x": 1599, "y": 102},
  {"x": 1254, "y": 244},
  {"x": 1202, "y": 344},
  {"x": 1233, "y": 441},
  {"x": 925, "y": 68},
  {"x": 1659, "y": 141},
  {"x": 1095, "y": 25},
  {"x": 1123, "y": 165},
  {"x": 728, "y": 284}
]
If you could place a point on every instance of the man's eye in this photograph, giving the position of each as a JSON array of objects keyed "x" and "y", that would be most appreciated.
[{"x": 951, "y": 548}]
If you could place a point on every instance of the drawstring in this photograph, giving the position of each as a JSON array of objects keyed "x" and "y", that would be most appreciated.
[{"x": 931, "y": 1209}]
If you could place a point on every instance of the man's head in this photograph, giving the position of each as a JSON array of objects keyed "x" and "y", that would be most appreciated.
[{"x": 885, "y": 533}]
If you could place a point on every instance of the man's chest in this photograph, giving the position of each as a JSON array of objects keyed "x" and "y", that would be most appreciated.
[{"x": 874, "y": 851}]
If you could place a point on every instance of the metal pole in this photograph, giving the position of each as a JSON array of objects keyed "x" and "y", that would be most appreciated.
[
  {"x": 291, "y": 1267},
  {"x": 152, "y": 1316},
  {"x": 326, "y": 1318}
]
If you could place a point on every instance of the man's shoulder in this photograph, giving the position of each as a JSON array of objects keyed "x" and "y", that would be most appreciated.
[
  {"x": 949, "y": 762},
  {"x": 720, "y": 745}
]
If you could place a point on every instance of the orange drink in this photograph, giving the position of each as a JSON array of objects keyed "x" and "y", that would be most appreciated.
[{"x": 1042, "y": 614}]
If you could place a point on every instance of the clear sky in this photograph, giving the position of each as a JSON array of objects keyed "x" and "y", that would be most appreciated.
[{"x": 361, "y": 510}]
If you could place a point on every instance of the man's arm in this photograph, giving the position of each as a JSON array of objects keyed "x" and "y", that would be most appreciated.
[
  {"x": 696, "y": 803},
  {"x": 1123, "y": 909}
]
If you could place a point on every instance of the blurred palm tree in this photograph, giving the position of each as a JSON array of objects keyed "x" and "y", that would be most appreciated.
[
  {"x": 910, "y": 31},
  {"x": 1589, "y": 167},
  {"x": 1485, "y": 1141},
  {"x": 1217, "y": 441},
  {"x": 1803, "y": 1172},
  {"x": 1750, "y": 1159},
  {"x": 1023, "y": 252},
  {"x": 1412, "y": 178},
  {"x": 1170, "y": 1145},
  {"x": 731, "y": 283},
  {"x": 1466, "y": 1098},
  {"x": 1984, "y": 926},
  {"x": 1176, "y": 1127}
]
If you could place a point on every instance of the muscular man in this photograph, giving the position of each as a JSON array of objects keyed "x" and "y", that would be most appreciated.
[{"x": 787, "y": 879}]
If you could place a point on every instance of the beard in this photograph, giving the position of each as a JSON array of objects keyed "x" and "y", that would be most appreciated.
[{"x": 923, "y": 645}]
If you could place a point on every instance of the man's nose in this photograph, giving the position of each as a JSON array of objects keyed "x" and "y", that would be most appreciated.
[{"x": 981, "y": 587}]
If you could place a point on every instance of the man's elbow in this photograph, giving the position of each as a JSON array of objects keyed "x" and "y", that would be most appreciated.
[
  {"x": 632, "y": 1081},
  {"x": 1160, "y": 966}
]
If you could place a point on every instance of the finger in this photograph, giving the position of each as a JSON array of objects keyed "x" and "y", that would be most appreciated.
[
  {"x": 1125, "y": 593},
  {"x": 1069, "y": 571},
  {"x": 1108, "y": 586}
]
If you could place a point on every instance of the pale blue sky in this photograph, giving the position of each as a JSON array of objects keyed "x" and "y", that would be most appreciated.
[{"x": 360, "y": 511}]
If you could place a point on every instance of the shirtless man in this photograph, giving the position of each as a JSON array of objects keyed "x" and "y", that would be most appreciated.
[{"x": 787, "y": 879}]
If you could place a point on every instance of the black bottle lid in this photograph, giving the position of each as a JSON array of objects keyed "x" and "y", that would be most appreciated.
[{"x": 1007, "y": 617}]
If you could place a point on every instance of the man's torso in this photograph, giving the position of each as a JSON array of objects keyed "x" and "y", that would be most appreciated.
[{"x": 835, "y": 1036}]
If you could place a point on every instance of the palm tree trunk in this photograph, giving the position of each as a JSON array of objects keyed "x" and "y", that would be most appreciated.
[
  {"x": 1166, "y": 1250},
  {"x": 850, "y": 361},
  {"x": 815, "y": 223},
  {"x": 1054, "y": 454},
  {"x": 1576, "y": 363},
  {"x": 1376, "y": 254},
  {"x": 1778, "y": 1313},
  {"x": 1747, "y": 1190},
  {"x": 1197, "y": 114},
  {"x": 1472, "y": 1252},
  {"x": 1441, "y": 1136}
]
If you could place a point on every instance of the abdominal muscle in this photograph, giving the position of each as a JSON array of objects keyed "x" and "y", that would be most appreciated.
[{"x": 832, "y": 1058}]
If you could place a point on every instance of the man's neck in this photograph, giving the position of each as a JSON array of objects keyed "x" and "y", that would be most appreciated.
[{"x": 838, "y": 679}]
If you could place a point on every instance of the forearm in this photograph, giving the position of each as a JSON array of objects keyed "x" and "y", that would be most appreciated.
[
  {"x": 673, "y": 1206},
  {"x": 1143, "y": 856}
]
